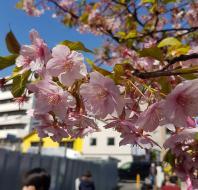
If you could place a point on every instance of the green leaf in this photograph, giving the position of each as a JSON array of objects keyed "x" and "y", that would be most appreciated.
[
  {"x": 180, "y": 50},
  {"x": 169, "y": 1},
  {"x": 76, "y": 46},
  {"x": 98, "y": 69},
  {"x": 187, "y": 70},
  {"x": 119, "y": 70},
  {"x": 196, "y": 136},
  {"x": 189, "y": 76},
  {"x": 165, "y": 85},
  {"x": 121, "y": 34},
  {"x": 19, "y": 84},
  {"x": 15, "y": 72},
  {"x": 152, "y": 52},
  {"x": 148, "y": 1},
  {"x": 7, "y": 61},
  {"x": 19, "y": 4},
  {"x": 12, "y": 43},
  {"x": 170, "y": 41},
  {"x": 131, "y": 34}
]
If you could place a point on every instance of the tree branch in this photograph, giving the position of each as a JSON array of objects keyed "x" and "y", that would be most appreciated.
[
  {"x": 156, "y": 74},
  {"x": 64, "y": 9},
  {"x": 180, "y": 58}
]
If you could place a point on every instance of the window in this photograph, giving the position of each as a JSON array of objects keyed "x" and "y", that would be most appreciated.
[
  {"x": 10, "y": 113},
  {"x": 36, "y": 144},
  {"x": 4, "y": 101},
  {"x": 12, "y": 126},
  {"x": 93, "y": 142},
  {"x": 6, "y": 88},
  {"x": 110, "y": 141},
  {"x": 69, "y": 144}
]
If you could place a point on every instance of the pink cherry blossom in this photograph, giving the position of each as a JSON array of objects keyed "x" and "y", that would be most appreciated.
[
  {"x": 134, "y": 135},
  {"x": 80, "y": 125},
  {"x": 192, "y": 15},
  {"x": 50, "y": 97},
  {"x": 185, "y": 136},
  {"x": 67, "y": 65},
  {"x": 50, "y": 128},
  {"x": 33, "y": 56},
  {"x": 182, "y": 103},
  {"x": 28, "y": 6},
  {"x": 150, "y": 118},
  {"x": 183, "y": 145},
  {"x": 101, "y": 96}
]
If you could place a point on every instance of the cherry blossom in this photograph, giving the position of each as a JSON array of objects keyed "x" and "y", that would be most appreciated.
[
  {"x": 149, "y": 120},
  {"x": 28, "y": 6},
  {"x": 50, "y": 128},
  {"x": 67, "y": 65},
  {"x": 51, "y": 98},
  {"x": 101, "y": 96},
  {"x": 33, "y": 56},
  {"x": 181, "y": 103}
]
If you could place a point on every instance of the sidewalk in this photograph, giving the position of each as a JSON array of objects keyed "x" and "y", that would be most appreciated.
[{"x": 127, "y": 186}]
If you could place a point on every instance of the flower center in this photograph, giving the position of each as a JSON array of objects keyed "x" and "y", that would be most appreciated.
[
  {"x": 181, "y": 100},
  {"x": 53, "y": 99},
  {"x": 101, "y": 93},
  {"x": 68, "y": 65}
]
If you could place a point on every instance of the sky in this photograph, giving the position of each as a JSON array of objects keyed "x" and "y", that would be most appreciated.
[{"x": 50, "y": 29}]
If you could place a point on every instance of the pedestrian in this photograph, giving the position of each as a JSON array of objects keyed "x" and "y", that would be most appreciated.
[
  {"x": 172, "y": 184},
  {"x": 86, "y": 182},
  {"x": 36, "y": 179},
  {"x": 77, "y": 183},
  {"x": 159, "y": 177},
  {"x": 152, "y": 174}
]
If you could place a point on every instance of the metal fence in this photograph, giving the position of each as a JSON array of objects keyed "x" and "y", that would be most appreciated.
[{"x": 63, "y": 171}]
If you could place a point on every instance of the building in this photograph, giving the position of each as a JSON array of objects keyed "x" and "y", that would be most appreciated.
[
  {"x": 46, "y": 146},
  {"x": 14, "y": 122},
  {"x": 105, "y": 145}
]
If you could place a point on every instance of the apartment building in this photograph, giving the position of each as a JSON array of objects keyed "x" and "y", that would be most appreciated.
[{"x": 14, "y": 122}]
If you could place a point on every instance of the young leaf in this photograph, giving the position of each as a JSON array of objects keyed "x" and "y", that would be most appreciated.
[
  {"x": 98, "y": 69},
  {"x": 19, "y": 4},
  {"x": 76, "y": 46},
  {"x": 12, "y": 43},
  {"x": 7, "y": 61},
  {"x": 152, "y": 52},
  {"x": 148, "y": 1},
  {"x": 165, "y": 85},
  {"x": 19, "y": 84},
  {"x": 170, "y": 41}
]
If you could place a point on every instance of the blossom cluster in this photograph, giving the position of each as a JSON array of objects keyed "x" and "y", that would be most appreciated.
[
  {"x": 68, "y": 98},
  {"x": 151, "y": 49}
]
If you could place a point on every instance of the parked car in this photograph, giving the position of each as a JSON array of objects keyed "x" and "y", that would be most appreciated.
[{"x": 129, "y": 170}]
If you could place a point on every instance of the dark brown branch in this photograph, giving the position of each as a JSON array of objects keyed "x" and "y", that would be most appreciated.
[
  {"x": 180, "y": 58},
  {"x": 156, "y": 74},
  {"x": 134, "y": 14},
  {"x": 166, "y": 30},
  {"x": 63, "y": 9},
  {"x": 165, "y": 72}
]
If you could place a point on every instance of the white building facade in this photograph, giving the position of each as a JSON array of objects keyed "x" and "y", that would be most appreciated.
[
  {"x": 105, "y": 145},
  {"x": 14, "y": 121}
]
